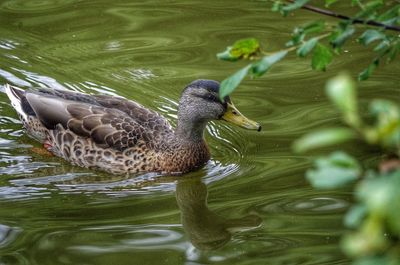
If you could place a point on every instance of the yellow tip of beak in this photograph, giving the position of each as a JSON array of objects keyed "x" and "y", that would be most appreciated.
[{"x": 234, "y": 116}]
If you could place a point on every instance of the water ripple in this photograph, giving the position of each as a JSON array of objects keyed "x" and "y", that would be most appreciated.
[
  {"x": 8, "y": 235},
  {"x": 125, "y": 238},
  {"x": 8, "y": 44},
  {"x": 20, "y": 6}
]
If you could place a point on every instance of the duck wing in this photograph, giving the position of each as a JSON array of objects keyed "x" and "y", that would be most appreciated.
[
  {"x": 98, "y": 118},
  {"x": 146, "y": 117}
]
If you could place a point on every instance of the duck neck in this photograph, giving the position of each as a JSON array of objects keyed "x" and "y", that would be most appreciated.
[
  {"x": 187, "y": 150},
  {"x": 190, "y": 131}
]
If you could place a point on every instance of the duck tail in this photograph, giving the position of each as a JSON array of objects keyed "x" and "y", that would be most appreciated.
[{"x": 19, "y": 101}]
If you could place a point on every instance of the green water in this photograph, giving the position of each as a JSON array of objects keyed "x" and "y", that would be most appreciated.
[{"x": 249, "y": 205}]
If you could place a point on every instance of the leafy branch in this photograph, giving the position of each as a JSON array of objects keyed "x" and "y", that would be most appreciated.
[
  {"x": 329, "y": 13},
  {"x": 384, "y": 131},
  {"x": 322, "y": 41},
  {"x": 375, "y": 216}
]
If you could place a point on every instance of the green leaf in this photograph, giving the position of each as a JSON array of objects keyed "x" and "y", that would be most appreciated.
[
  {"x": 229, "y": 84},
  {"x": 297, "y": 37},
  {"x": 307, "y": 47},
  {"x": 342, "y": 35},
  {"x": 314, "y": 27},
  {"x": 369, "y": 239},
  {"x": 257, "y": 69},
  {"x": 322, "y": 56},
  {"x": 262, "y": 66},
  {"x": 387, "y": 126},
  {"x": 393, "y": 52},
  {"x": 341, "y": 91},
  {"x": 382, "y": 46},
  {"x": 366, "y": 73},
  {"x": 277, "y": 6},
  {"x": 355, "y": 2},
  {"x": 369, "y": 9},
  {"x": 323, "y": 138},
  {"x": 390, "y": 16},
  {"x": 241, "y": 49},
  {"x": 226, "y": 55},
  {"x": 371, "y": 35},
  {"x": 334, "y": 171},
  {"x": 295, "y": 5},
  {"x": 355, "y": 215},
  {"x": 245, "y": 48},
  {"x": 382, "y": 198}
]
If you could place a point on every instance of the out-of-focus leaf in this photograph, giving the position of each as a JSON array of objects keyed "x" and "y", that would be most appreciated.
[
  {"x": 371, "y": 35},
  {"x": 369, "y": 239},
  {"x": 393, "y": 52},
  {"x": 323, "y": 138},
  {"x": 341, "y": 91},
  {"x": 382, "y": 198},
  {"x": 334, "y": 171},
  {"x": 229, "y": 85},
  {"x": 369, "y": 9},
  {"x": 387, "y": 126},
  {"x": 307, "y": 47},
  {"x": 295, "y": 5},
  {"x": 355, "y": 215},
  {"x": 277, "y": 6},
  {"x": 355, "y": 2},
  {"x": 241, "y": 49},
  {"x": 375, "y": 193},
  {"x": 343, "y": 34},
  {"x": 322, "y": 56},
  {"x": 382, "y": 46},
  {"x": 262, "y": 66},
  {"x": 390, "y": 16},
  {"x": 314, "y": 27},
  {"x": 366, "y": 73},
  {"x": 297, "y": 37}
]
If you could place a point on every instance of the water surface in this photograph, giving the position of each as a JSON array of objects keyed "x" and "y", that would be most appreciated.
[{"x": 249, "y": 205}]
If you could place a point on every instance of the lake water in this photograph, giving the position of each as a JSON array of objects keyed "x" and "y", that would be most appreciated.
[{"x": 249, "y": 205}]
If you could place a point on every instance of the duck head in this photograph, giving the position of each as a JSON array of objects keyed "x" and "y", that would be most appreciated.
[{"x": 200, "y": 103}]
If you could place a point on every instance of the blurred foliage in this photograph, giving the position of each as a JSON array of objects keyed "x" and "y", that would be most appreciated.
[
  {"x": 375, "y": 216},
  {"x": 378, "y": 26}
]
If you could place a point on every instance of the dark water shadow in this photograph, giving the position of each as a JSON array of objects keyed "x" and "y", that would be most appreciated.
[{"x": 206, "y": 229}]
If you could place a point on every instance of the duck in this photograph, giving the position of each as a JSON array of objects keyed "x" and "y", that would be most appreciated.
[{"x": 120, "y": 136}]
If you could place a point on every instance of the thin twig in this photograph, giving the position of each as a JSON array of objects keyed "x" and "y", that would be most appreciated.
[{"x": 340, "y": 16}]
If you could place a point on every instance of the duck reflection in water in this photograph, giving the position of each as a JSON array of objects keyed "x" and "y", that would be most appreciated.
[{"x": 206, "y": 229}]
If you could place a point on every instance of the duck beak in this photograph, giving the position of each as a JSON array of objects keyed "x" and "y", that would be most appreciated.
[{"x": 234, "y": 116}]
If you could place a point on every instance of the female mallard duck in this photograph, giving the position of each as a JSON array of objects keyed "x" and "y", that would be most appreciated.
[{"x": 121, "y": 136}]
